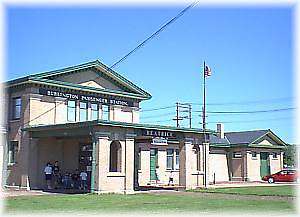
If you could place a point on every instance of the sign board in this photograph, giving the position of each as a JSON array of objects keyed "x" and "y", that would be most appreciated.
[
  {"x": 159, "y": 141},
  {"x": 158, "y": 133},
  {"x": 85, "y": 97}
]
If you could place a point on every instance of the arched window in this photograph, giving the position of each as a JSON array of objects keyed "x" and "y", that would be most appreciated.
[{"x": 115, "y": 157}]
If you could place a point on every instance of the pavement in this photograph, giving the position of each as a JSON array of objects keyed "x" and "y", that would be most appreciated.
[
  {"x": 14, "y": 193},
  {"x": 22, "y": 192},
  {"x": 249, "y": 184}
]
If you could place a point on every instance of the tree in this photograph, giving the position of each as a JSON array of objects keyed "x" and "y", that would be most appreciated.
[{"x": 290, "y": 155}]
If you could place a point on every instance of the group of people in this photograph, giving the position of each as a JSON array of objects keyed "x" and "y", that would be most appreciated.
[{"x": 67, "y": 180}]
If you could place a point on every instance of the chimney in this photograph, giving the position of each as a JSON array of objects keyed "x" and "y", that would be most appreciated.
[{"x": 220, "y": 130}]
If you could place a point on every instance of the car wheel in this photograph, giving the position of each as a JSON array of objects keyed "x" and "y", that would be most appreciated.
[{"x": 271, "y": 180}]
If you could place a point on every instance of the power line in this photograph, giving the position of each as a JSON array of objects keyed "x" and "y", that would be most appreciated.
[
  {"x": 132, "y": 51},
  {"x": 153, "y": 35},
  {"x": 226, "y": 103},
  {"x": 155, "y": 116},
  {"x": 156, "y": 109},
  {"x": 247, "y": 112},
  {"x": 264, "y": 101},
  {"x": 250, "y": 121}
]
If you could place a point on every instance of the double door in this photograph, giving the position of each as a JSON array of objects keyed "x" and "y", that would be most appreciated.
[{"x": 264, "y": 164}]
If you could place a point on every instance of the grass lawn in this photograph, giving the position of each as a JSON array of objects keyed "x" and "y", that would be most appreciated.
[
  {"x": 284, "y": 190},
  {"x": 146, "y": 203}
]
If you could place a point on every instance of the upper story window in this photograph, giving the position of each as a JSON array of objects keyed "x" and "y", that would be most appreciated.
[
  {"x": 254, "y": 155},
  {"x": 71, "y": 114},
  {"x": 83, "y": 111},
  {"x": 94, "y": 111},
  {"x": 275, "y": 155},
  {"x": 105, "y": 112},
  {"x": 16, "y": 108}
]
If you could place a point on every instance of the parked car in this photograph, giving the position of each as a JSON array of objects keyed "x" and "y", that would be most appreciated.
[{"x": 287, "y": 175}]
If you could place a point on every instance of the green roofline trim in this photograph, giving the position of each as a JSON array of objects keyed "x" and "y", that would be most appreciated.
[
  {"x": 246, "y": 145},
  {"x": 114, "y": 124},
  {"x": 109, "y": 72},
  {"x": 270, "y": 132}
]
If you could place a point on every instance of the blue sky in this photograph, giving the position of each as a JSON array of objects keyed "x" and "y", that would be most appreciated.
[{"x": 248, "y": 48}]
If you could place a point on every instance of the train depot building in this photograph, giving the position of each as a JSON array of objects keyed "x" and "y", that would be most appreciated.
[{"x": 86, "y": 117}]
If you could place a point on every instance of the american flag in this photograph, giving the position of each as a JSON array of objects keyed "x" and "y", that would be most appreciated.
[{"x": 207, "y": 71}]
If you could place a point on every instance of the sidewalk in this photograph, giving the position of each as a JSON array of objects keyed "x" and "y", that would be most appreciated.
[
  {"x": 248, "y": 184},
  {"x": 14, "y": 193}
]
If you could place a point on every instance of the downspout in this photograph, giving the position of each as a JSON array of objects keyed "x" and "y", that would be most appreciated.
[{"x": 93, "y": 161}]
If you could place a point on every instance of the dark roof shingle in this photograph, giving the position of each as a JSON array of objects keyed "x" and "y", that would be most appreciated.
[{"x": 244, "y": 136}]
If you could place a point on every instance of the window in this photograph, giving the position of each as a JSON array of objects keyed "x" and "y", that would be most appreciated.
[
  {"x": 254, "y": 155},
  {"x": 71, "y": 114},
  {"x": 115, "y": 157},
  {"x": 275, "y": 156},
  {"x": 94, "y": 111},
  {"x": 16, "y": 108},
  {"x": 170, "y": 159},
  {"x": 177, "y": 159},
  {"x": 139, "y": 159},
  {"x": 237, "y": 154},
  {"x": 105, "y": 112},
  {"x": 12, "y": 151},
  {"x": 82, "y": 111}
]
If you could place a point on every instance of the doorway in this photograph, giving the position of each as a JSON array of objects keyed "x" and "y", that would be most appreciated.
[
  {"x": 264, "y": 164},
  {"x": 153, "y": 163},
  {"x": 85, "y": 161}
]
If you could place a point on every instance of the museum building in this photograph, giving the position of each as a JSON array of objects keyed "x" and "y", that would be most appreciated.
[{"x": 86, "y": 117}]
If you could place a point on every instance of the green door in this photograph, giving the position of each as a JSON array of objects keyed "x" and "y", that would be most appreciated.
[
  {"x": 153, "y": 163},
  {"x": 264, "y": 164}
]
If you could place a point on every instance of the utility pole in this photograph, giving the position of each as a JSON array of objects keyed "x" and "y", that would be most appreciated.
[
  {"x": 206, "y": 73},
  {"x": 184, "y": 108},
  {"x": 190, "y": 115},
  {"x": 177, "y": 114}
]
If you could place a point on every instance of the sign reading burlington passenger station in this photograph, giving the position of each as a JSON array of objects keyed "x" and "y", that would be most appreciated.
[{"x": 89, "y": 98}]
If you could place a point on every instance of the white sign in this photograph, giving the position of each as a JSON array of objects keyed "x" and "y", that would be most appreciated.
[{"x": 159, "y": 141}]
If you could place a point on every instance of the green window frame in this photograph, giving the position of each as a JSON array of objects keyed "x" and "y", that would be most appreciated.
[
  {"x": 71, "y": 110},
  {"x": 83, "y": 111},
  {"x": 94, "y": 111},
  {"x": 105, "y": 112}
]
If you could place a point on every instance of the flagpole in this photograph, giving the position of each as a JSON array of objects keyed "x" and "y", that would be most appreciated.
[{"x": 204, "y": 107}]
